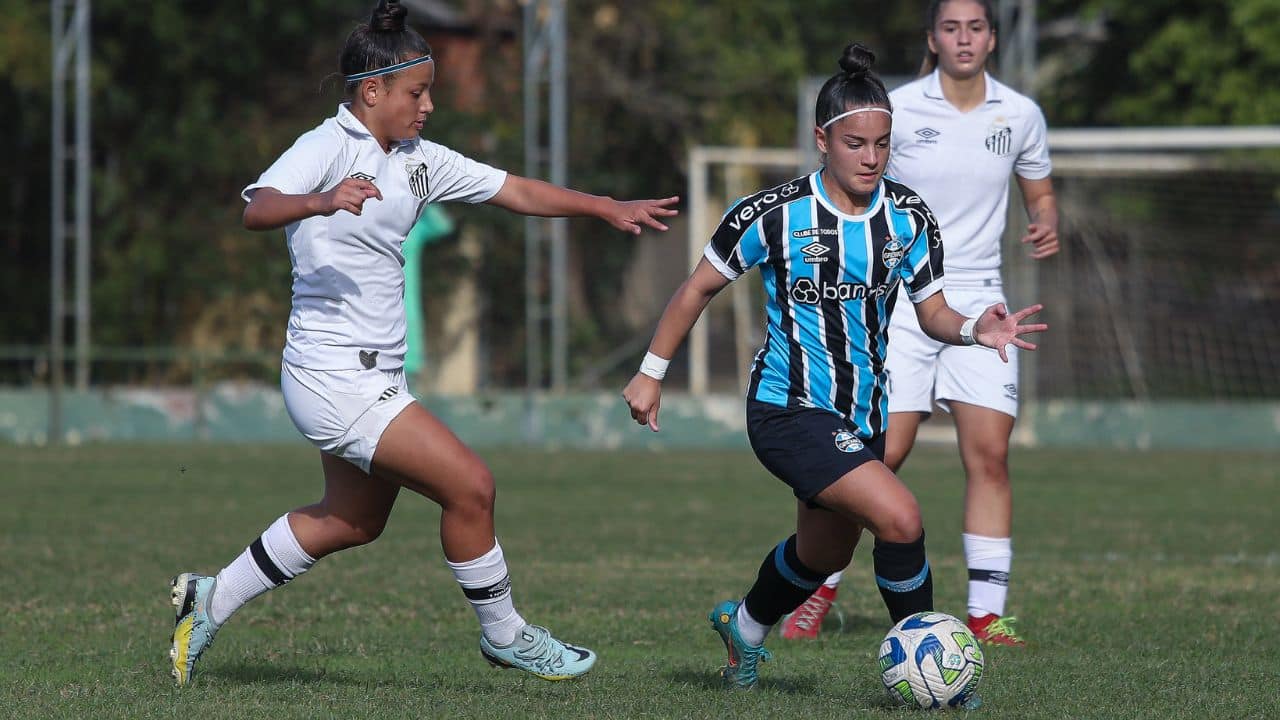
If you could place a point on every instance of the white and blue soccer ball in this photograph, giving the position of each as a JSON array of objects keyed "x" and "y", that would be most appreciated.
[{"x": 930, "y": 660}]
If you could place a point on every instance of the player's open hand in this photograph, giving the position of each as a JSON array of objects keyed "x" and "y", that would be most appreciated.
[
  {"x": 643, "y": 395},
  {"x": 996, "y": 328},
  {"x": 634, "y": 215},
  {"x": 1043, "y": 240},
  {"x": 348, "y": 195}
]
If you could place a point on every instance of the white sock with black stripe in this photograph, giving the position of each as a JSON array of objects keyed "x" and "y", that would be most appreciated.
[
  {"x": 272, "y": 560},
  {"x": 487, "y": 586},
  {"x": 989, "y": 560}
]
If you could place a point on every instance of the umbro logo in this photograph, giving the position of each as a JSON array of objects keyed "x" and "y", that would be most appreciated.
[
  {"x": 362, "y": 176},
  {"x": 814, "y": 252},
  {"x": 927, "y": 135}
]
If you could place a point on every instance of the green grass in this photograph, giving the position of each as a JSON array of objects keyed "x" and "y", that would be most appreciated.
[{"x": 1147, "y": 584}]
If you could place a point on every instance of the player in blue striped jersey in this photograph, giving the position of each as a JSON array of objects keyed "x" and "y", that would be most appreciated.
[{"x": 832, "y": 248}]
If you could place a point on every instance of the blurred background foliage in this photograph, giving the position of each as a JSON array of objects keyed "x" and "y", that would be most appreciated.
[{"x": 192, "y": 101}]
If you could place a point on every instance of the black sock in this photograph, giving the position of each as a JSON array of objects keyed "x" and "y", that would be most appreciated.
[
  {"x": 782, "y": 585},
  {"x": 904, "y": 577}
]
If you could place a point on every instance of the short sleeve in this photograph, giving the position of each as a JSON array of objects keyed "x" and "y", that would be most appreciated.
[
  {"x": 1033, "y": 158},
  {"x": 739, "y": 242},
  {"x": 454, "y": 177},
  {"x": 922, "y": 271},
  {"x": 310, "y": 165}
]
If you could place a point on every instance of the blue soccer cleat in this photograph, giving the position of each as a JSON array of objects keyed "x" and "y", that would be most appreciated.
[
  {"x": 193, "y": 629},
  {"x": 536, "y": 652},
  {"x": 741, "y": 672}
]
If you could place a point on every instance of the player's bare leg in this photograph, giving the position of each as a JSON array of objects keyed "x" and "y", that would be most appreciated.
[
  {"x": 983, "y": 436},
  {"x": 806, "y": 622},
  {"x": 901, "y": 437},
  {"x": 423, "y": 454}
]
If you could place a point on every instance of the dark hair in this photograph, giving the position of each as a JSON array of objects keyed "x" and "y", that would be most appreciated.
[
  {"x": 930, "y": 60},
  {"x": 853, "y": 87},
  {"x": 380, "y": 43}
]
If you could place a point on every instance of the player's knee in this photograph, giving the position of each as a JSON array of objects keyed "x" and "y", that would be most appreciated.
[
  {"x": 903, "y": 525},
  {"x": 989, "y": 464},
  {"x": 475, "y": 491}
]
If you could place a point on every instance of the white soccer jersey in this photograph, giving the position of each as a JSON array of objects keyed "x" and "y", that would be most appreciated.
[
  {"x": 348, "y": 271},
  {"x": 960, "y": 164}
]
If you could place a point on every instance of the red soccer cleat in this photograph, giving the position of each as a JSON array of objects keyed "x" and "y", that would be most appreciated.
[
  {"x": 807, "y": 619},
  {"x": 995, "y": 630}
]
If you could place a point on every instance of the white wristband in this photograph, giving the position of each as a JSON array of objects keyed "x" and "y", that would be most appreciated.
[
  {"x": 654, "y": 366},
  {"x": 966, "y": 332}
]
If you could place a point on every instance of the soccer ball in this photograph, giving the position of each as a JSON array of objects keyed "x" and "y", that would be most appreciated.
[{"x": 931, "y": 660}]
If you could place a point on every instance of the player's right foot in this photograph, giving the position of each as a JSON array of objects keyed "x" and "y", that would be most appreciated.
[
  {"x": 995, "y": 630},
  {"x": 536, "y": 652},
  {"x": 742, "y": 670},
  {"x": 193, "y": 629},
  {"x": 806, "y": 621}
]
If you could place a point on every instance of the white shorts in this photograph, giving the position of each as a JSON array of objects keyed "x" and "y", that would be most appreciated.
[
  {"x": 920, "y": 369},
  {"x": 344, "y": 412}
]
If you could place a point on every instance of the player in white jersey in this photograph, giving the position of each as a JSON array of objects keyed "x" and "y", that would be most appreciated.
[
  {"x": 347, "y": 194},
  {"x": 957, "y": 135}
]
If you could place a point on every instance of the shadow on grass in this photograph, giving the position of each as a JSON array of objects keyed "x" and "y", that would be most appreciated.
[
  {"x": 839, "y": 622},
  {"x": 709, "y": 679},
  {"x": 254, "y": 672}
]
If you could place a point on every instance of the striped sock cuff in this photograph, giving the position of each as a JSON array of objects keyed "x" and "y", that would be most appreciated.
[{"x": 277, "y": 554}]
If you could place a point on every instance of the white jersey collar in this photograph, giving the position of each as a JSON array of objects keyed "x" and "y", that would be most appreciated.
[
  {"x": 932, "y": 88},
  {"x": 348, "y": 121}
]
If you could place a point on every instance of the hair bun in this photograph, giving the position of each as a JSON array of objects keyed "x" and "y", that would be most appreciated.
[
  {"x": 388, "y": 17},
  {"x": 857, "y": 60}
]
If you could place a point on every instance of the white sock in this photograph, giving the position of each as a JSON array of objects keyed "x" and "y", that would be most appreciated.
[
  {"x": 752, "y": 632},
  {"x": 272, "y": 560},
  {"x": 833, "y": 580},
  {"x": 989, "y": 560},
  {"x": 488, "y": 588}
]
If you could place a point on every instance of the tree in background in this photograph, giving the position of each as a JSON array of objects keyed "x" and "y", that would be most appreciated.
[
  {"x": 1162, "y": 62},
  {"x": 191, "y": 100}
]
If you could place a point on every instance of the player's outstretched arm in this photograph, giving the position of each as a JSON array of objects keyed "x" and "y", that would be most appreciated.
[
  {"x": 644, "y": 393},
  {"x": 269, "y": 208},
  {"x": 526, "y": 196},
  {"x": 995, "y": 328}
]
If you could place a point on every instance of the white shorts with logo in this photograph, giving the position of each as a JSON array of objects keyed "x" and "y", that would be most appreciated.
[
  {"x": 344, "y": 412},
  {"x": 921, "y": 370}
]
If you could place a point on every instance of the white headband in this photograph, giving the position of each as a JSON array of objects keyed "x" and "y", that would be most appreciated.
[{"x": 855, "y": 111}]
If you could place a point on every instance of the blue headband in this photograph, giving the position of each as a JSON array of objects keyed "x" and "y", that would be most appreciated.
[{"x": 389, "y": 69}]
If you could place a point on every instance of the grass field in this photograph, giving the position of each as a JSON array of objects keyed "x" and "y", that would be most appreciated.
[{"x": 1147, "y": 584}]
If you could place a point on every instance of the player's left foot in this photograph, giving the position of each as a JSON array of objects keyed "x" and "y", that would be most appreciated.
[
  {"x": 995, "y": 630},
  {"x": 742, "y": 671},
  {"x": 536, "y": 652},
  {"x": 193, "y": 629}
]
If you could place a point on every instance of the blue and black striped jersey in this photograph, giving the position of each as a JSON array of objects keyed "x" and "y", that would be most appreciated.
[{"x": 831, "y": 281}]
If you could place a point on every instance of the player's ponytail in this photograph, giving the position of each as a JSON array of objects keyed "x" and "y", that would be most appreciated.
[
  {"x": 388, "y": 17},
  {"x": 856, "y": 61},
  {"x": 380, "y": 44},
  {"x": 855, "y": 86}
]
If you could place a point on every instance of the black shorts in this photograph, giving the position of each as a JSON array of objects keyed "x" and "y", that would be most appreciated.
[{"x": 808, "y": 448}]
